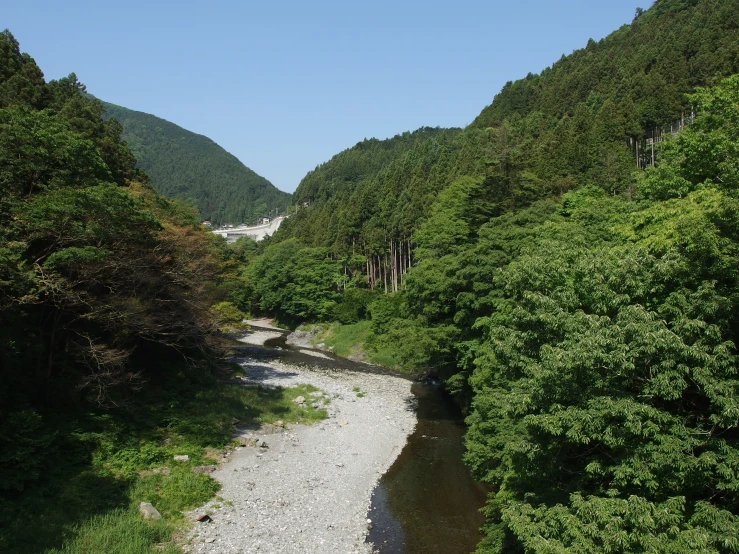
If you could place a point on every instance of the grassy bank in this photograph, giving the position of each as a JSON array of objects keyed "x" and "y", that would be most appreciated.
[
  {"x": 101, "y": 464},
  {"x": 356, "y": 341}
]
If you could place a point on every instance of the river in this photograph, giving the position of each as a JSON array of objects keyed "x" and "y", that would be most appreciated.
[{"x": 427, "y": 502}]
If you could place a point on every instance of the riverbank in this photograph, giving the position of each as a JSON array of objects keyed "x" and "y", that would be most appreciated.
[{"x": 309, "y": 490}]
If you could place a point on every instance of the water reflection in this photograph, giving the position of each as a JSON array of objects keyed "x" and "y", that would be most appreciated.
[{"x": 427, "y": 502}]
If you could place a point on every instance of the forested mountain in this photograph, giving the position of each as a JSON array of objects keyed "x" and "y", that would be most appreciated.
[
  {"x": 582, "y": 121},
  {"x": 187, "y": 166},
  {"x": 643, "y": 70},
  {"x": 579, "y": 301}
]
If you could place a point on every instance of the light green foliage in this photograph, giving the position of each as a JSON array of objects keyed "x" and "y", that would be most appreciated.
[
  {"x": 230, "y": 318},
  {"x": 295, "y": 281},
  {"x": 705, "y": 154},
  {"x": 606, "y": 388}
]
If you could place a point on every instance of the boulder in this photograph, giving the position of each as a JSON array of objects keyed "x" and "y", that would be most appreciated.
[
  {"x": 299, "y": 400},
  {"x": 181, "y": 458},
  {"x": 148, "y": 511}
]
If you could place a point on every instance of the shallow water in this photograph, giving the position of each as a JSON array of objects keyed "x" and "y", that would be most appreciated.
[{"x": 427, "y": 502}]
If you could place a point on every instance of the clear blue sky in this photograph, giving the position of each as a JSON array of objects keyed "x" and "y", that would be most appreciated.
[{"x": 285, "y": 85}]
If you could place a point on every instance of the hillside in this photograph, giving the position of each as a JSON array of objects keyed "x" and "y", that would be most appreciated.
[
  {"x": 579, "y": 297},
  {"x": 644, "y": 69},
  {"x": 191, "y": 167}
]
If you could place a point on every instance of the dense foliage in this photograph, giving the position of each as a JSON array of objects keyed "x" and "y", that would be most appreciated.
[
  {"x": 582, "y": 309},
  {"x": 642, "y": 70},
  {"x": 193, "y": 168},
  {"x": 99, "y": 276}
]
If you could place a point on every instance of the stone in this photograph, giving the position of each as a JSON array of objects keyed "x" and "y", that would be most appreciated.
[
  {"x": 279, "y": 423},
  {"x": 299, "y": 400},
  {"x": 204, "y": 469},
  {"x": 181, "y": 458},
  {"x": 343, "y": 422},
  {"x": 148, "y": 511},
  {"x": 321, "y": 345},
  {"x": 316, "y": 405}
]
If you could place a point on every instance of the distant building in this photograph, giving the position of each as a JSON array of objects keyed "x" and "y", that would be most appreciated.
[
  {"x": 264, "y": 221},
  {"x": 207, "y": 223},
  {"x": 306, "y": 203}
]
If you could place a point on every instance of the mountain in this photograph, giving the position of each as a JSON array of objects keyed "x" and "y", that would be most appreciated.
[
  {"x": 569, "y": 265},
  {"x": 644, "y": 68},
  {"x": 584, "y": 120},
  {"x": 191, "y": 167}
]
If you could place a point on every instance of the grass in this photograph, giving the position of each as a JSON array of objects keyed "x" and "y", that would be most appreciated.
[
  {"x": 359, "y": 392},
  {"x": 353, "y": 339},
  {"x": 100, "y": 468}
]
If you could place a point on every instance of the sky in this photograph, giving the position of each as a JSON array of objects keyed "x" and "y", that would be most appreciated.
[{"x": 285, "y": 85}]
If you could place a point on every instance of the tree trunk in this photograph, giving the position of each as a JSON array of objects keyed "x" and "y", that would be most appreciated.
[{"x": 385, "y": 272}]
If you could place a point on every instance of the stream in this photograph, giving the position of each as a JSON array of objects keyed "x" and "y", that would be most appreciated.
[{"x": 427, "y": 502}]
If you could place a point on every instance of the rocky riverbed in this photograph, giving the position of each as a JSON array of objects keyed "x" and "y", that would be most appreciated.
[{"x": 308, "y": 491}]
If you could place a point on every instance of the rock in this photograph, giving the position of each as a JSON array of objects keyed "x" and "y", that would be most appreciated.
[
  {"x": 343, "y": 422},
  {"x": 316, "y": 405},
  {"x": 279, "y": 423},
  {"x": 299, "y": 400},
  {"x": 262, "y": 444},
  {"x": 204, "y": 469},
  {"x": 181, "y": 458},
  {"x": 321, "y": 345},
  {"x": 204, "y": 518},
  {"x": 330, "y": 348},
  {"x": 148, "y": 511}
]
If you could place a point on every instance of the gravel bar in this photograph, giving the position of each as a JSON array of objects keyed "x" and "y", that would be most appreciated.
[{"x": 309, "y": 490}]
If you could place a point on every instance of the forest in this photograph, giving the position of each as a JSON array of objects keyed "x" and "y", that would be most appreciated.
[
  {"x": 190, "y": 167},
  {"x": 577, "y": 296}
]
